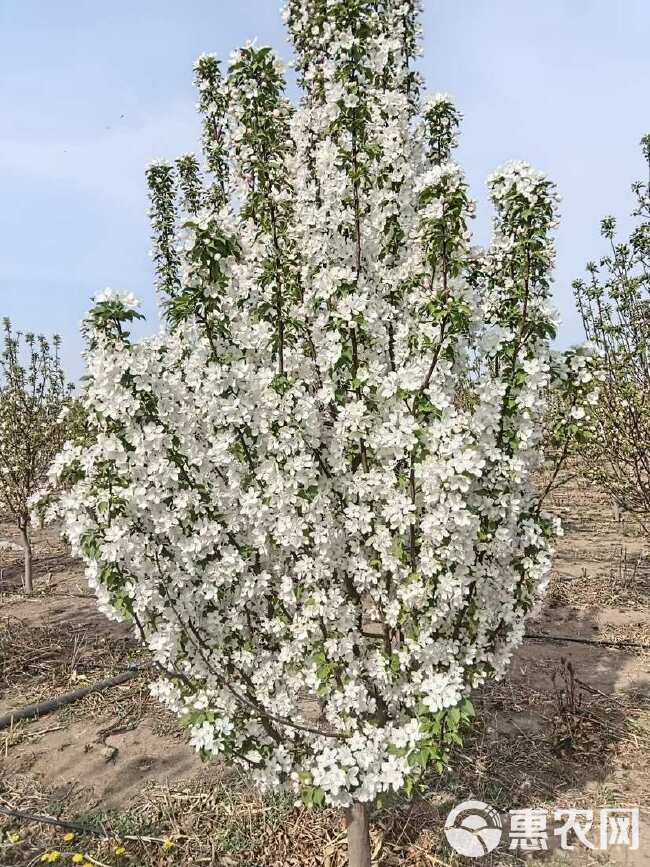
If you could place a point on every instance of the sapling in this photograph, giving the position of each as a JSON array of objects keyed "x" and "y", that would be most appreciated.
[
  {"x": 311, "y": 492},
  {"x": 614, "y": 303},
  {"x": 33, "y": 398}
]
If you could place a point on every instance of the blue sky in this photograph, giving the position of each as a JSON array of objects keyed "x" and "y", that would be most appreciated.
[{"x": 91, "y": 92}]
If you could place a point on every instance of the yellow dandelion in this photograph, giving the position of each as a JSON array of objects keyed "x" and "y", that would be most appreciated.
[
  {"x": 119, "y": 850},
  {"x": 13, "y": 837},
  {"x": 51, "y": 857},
  {"x": 168, "y": 844},
  {"x": 69, "y": 837},
  {"x": 78, "y": 858}
]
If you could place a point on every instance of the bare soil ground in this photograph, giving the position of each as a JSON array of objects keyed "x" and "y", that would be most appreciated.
[{"x": 550, "y": 735}]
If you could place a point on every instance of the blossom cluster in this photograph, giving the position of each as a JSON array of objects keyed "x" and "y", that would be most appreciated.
[{"x": 311, "y": 492}]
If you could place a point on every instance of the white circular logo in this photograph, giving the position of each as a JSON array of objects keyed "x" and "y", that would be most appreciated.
[{"x": 473, "y": 829}]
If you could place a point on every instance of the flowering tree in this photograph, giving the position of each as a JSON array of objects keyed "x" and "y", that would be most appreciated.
[
  {"x": 33, "y": 396},
  {"x": 311, "y": 492},
  {"x": 614, "y": 303}
]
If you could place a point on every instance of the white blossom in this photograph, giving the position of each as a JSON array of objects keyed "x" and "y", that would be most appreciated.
[{"x": 311, "y": 492}]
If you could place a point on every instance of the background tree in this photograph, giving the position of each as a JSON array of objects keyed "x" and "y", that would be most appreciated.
[
  {"x": 33, "y": 399},
  {"x": 614, "y": 303},
  {"x": 323, "y": 543}
]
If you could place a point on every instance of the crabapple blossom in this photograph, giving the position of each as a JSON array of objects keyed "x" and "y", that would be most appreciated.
[{"x": 312, "y": 491}]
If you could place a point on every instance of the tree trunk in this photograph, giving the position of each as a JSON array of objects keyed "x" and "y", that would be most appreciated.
[
  {"x": 357, "y": 821},
  {"x": 28, "y": 585}
]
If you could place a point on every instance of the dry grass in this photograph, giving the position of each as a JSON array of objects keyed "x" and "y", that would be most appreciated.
[
  {"x": 42, "y": 657},
  {"x": 218, "y": 819},
  {"x": 624, "y": 582},
  {"x": 39, "y": 662},
  {"x": 224, "y": 822}
]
